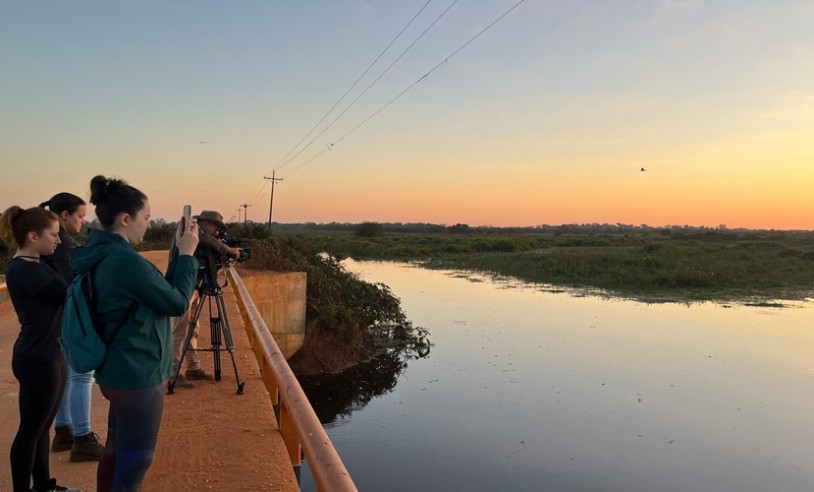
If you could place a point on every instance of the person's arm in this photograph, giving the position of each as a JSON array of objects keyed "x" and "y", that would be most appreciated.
[
  {"x": 179, "y": 266},
  {"x": 46, "y": 286},
  {"x": 219, "y": 246},
  {"x": 140, "y": 280},
  {"x": 211, "y": 242}
]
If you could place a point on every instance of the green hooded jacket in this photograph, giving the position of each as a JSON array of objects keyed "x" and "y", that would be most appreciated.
[{"x": 141, "y": 353}]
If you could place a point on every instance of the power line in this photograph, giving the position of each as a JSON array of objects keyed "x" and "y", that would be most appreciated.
[
  {"x": 281, "y": 163},
  {"x": 352, "y": 103},
  {"x": 258, "y": 190},
  {"x": 421, "y": 79},
  {"x": 302, "y": 164}
]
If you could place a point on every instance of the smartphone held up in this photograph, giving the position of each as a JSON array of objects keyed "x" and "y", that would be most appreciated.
[{"x": 186, "y": 218}]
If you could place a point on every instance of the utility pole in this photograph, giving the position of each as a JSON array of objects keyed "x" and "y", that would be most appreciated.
[
  {"x": 271, "y": 200},
  {"x": 238, "y": 213},
  {"x": 245, "y": 212}
]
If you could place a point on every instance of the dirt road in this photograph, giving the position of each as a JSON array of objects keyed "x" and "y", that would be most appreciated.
[{"x": 210, "y": 438}]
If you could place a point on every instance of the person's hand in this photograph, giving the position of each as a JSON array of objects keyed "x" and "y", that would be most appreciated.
[
  {"x": 235, "y": 253},
  {"x": 186, "y": 237}
]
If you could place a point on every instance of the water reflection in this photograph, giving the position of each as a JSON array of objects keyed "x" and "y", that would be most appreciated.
[
  {"x": 338, "y": 395},
  {"x": 530, "y": 390}
]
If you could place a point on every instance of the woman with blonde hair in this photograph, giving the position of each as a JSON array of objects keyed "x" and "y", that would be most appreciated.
[{"x": 37, "y": 292}]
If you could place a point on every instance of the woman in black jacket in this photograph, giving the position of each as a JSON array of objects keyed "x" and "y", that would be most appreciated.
[
  {"x": 72, "y": 428},
  {"x": 38, "y": 294}
]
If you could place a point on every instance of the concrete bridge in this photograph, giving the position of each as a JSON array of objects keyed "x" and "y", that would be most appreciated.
[{"x": 210, "y": 437}]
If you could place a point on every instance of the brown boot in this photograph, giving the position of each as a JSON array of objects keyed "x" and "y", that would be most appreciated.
[
  {"x": 199, "y": 375},
  {"x": 63, "y": 438},
  {"x": 87, "y": 448},
  {"x": 182, "y": 382}
]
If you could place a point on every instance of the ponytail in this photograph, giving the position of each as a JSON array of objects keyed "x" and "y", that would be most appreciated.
[
  {"x": 63, "y": 202},
  {"x": 16, "y": 223},
  {"x": 113, "y": 197}
]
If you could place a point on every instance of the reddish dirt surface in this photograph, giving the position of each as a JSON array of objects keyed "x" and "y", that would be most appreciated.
[{"x": 210, "y": 438}]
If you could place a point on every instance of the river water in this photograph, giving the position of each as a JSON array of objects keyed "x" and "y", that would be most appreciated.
[{"x": 529, "y": 390}]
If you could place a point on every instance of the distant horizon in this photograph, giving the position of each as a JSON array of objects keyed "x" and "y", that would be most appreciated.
[{"x": 721, "y": 227}]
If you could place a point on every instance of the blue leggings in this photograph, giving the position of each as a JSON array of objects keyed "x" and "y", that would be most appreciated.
[{"x": 132, "y": 431}]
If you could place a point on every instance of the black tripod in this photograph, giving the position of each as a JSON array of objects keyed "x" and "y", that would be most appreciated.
[{"x": 208, "y": 291}]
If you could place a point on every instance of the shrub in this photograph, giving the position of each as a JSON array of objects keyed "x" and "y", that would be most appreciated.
[
  {"x": 789, "y": 253},
  {"x": 368, "y": 229},
  {"x": 458, "y": 229},
  {"x": 160, "y": 233},
  {"x": 504, "y": 246},
  {"x": 249, "y": 230},
  {"x": 337, "y": 301}
]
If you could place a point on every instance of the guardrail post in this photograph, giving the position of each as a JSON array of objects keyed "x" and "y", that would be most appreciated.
[{"x": 289, "y": 431}]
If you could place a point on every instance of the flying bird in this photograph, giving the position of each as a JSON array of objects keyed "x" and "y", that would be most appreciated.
[{"x": 201, "y": 141}]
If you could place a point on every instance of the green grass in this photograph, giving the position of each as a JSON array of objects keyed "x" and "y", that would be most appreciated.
[
  {"x": 658, "y": 265},
  {"x": 653, "y": 267}
]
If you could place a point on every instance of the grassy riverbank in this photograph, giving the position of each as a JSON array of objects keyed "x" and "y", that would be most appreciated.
[
  {"x": 714, "y": 265},
  {"x": 678, "y": 264}
]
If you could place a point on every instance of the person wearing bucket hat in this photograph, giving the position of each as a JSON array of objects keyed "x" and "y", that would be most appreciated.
[
  {"x": 209, "y": 223},
  {"x": 211, "y": 217}
]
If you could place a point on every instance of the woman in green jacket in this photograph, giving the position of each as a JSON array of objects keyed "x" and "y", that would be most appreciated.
[{"x": 133, "y": 294}]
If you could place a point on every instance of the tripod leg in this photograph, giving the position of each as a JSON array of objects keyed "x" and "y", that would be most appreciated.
[
  {"x": 193, "y": 321},
  {"x": 227, "y": 333},
  {"x": 214, "y": 332},
  {"x": 230, "y": 344}
]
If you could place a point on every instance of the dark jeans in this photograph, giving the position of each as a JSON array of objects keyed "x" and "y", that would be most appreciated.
[
  {"x": 41, "y": 387},
  {"x": 132, "y": 431}
]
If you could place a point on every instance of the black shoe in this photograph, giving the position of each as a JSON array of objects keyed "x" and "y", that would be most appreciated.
[
  {"x": 63, "y": 438},
  {"x": 87, "y": 448},
  {"x": 53, "y": 487}
]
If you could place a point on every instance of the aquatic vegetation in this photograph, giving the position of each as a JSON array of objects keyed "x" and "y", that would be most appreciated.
[{"x": 647, "y": 266}]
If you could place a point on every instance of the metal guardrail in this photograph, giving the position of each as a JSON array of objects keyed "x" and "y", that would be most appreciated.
[{"x": 301, "y": 429}]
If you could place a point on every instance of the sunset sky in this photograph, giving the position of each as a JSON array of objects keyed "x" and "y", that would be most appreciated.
[{"x": 547, "y": 117}]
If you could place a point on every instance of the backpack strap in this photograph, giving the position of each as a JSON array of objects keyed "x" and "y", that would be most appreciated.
[
  {"x": 98, "y": 322},
  {"x": 130, "y": 311}
]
